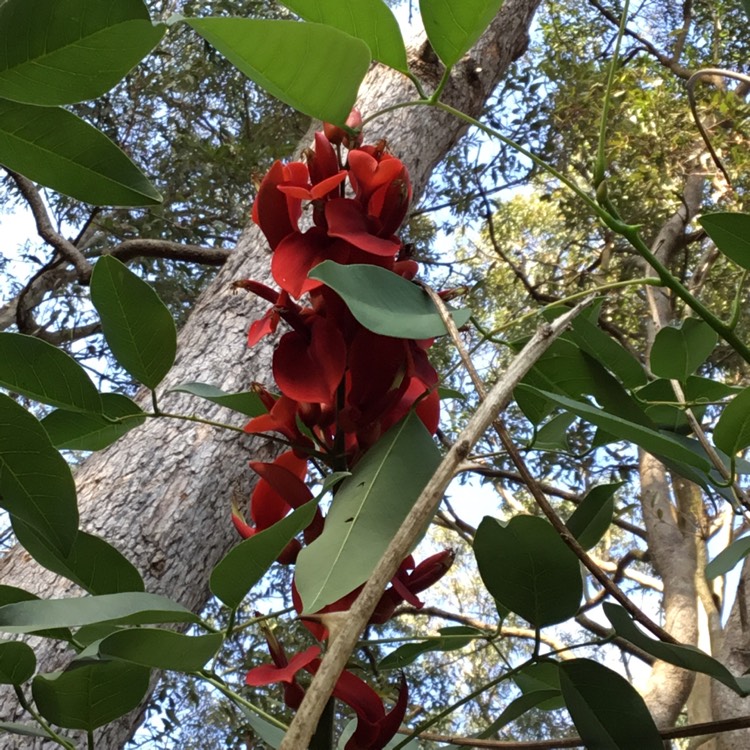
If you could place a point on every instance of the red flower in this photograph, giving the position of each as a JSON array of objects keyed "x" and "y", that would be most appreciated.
[{"x": 310, "y": 367}]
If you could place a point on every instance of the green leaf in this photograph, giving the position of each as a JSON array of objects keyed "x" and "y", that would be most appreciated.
[
  {"x": 593, "y": 516},
  {"x": 518, "y": 708},
  {"x": 244, "y": 565},
  {"x": 43, "y": 372},
  {"x": 369, "y": 20},
  {"x": 678, "y": 352},
  {"x": 660, "y": 444},
  {"x": 728, "y": 558},
  {"x": 553, "y": 436},
  {"x": 451, "y": 638},
  {"x": 730, "y": 231},
  {"x": 133, "y": 608},
  {"x": 17, "y": 662},
  {"x": 565, "y": 369},
  {"x": 91, "y": 695},
  {"x": 367, "y": 511},
  {"x": 269, "y": 733},
  {"x": 312, "y": 67},
  {"x": 453, "y": 28},
  {"x": 92, "y": 432},
  {"x": 135, "y": 322},
  {"x": 687, "y": 657},
  {"x": 247, "y": 402},
  {"x": 11, "y": 595},
  {"x": 65, "y": 51},
  {"x": 608, "y": 712},
  {"x": 26, "y": 730},
  {"x": 92, "y": 563},
  {"x": 384, "y": 302},
  {"x": 162, "y": 649},
  {"x": 732, "y": 432},
  {"x": 746, "y": 3},
  {"x": 36, "y": 485},
  {"x": 541, "y": 676},
  {"x": 603, "y": 348},
  {"x": 59, "y": 150},
  {"x": 529, "y": 569}
]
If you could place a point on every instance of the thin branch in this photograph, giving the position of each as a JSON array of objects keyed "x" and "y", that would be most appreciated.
[
  {"x": 150, "y": 248},
  {"x": 665, "y": 60},
  {"x": 45, "y": 229},
  {"x": 691, "y": 730},
  {"x": 710, "y": 73}
]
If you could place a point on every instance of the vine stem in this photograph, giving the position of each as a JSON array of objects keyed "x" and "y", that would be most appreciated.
[{"x": 306, "y": 719}]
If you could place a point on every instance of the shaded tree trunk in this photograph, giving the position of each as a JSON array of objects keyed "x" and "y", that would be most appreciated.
[{"x": 162, "y": 493}]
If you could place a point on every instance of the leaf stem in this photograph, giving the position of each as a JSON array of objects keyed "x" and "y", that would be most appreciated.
[
  {"x": 26, "y": 705},
  {"x": 600, "y": 165}
]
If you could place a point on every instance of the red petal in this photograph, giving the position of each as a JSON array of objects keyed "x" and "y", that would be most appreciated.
[
  {"x": 298, "y": 254},
  {"x": 270, "y": 673},
  {"x": 287, "y": 482},
  {"x": 311, "y": 370},
  {"x": 263, "y": 327},
  {"x": 323, "y": 162},
  {"x": 326, "y": 186},
  {"x": 389, "y": 726},
  {"x": 347, "y": 221},
  {"x": 276, "y": 216}
]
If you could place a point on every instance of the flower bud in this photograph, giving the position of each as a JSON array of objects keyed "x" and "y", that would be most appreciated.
[{"x": 351, "y": 137}]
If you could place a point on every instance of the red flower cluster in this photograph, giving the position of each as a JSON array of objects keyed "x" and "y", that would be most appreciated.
[
  {"x": 345, "y": 383},
  {"x": 342, "y": 386}
]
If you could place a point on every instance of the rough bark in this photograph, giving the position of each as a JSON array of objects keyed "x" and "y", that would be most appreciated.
[{"x": 161, "y": 494}]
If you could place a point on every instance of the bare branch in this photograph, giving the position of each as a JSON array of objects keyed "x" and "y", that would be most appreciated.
[
  {"x": 45, "y": 229},
  {"x": 151, "y": 248}
]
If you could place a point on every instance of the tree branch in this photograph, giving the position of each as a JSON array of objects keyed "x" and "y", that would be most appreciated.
[{"x": 128, "y": 250}]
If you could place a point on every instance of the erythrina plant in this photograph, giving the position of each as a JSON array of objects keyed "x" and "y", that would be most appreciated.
[{"x": 342, "y": 386}]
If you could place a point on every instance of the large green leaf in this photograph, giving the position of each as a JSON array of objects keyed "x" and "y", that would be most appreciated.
[
  {"x": 269, "y": 733},
  {"x": 65, "y": 51},
  {"x": 367, "y": 511},
  {"x": 45, "y": 373},
  {"x": 12, "y": 594},
  {"x": 244, "y": 565},
  {"x": 517, "y": 708},
  {"x": 161, "y": 649},
  {"x": 687, "y": 657},
  {"x": 135, "y": 608},
  {"x": 136, "y": 323},
  {"x": 529, "y": 569},
  {"x": 541, "y": 676},
  {"x": 678, "y": 352},
  {"x": 91, "y": 695},
  {"x": 452, "y": 638},
  {"x": 312, "y": 67},
  {"x": 593, "y": 516},
  {"x": 92, "y": 563},
  {"x": 369, "y": 20},
  {"x": 728, "y": 558},
  {"x": 602, "y": 347},
  {"x": 453, "y": 27},
  {"x": 92, "y": 432},
  {"x": 17, "y": 662},
  {"x": 36, "y": 485},
  {"x": 608, "y": 712},
  {"x": 566, "y": 369},
  {"x": 658, "y": 443},
  {"x": 730, "y": 231},
  {"x": 59, "y": 150},
  {"x": 732, "y": 432},
  {"x": 385, "y": 302},
  {"x": 247, "y": 402},
  {"x": 553, "y": 436}
]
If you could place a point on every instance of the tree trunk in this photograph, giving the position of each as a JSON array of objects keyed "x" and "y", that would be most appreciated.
[{"x": 162, "y": 493}]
